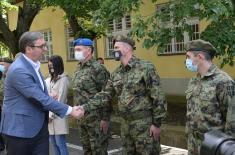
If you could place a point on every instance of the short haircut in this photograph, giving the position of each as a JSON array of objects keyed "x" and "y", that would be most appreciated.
[
  {"x": 58, "y": 64},
  {"x": 28, "y": 39},
  {"x": 207, "y": 55}
]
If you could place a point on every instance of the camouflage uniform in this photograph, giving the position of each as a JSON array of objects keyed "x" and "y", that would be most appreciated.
[
  {"x": 208, "y": 98},
  {"x": 230, "y": 122},
  {"x": 88, "y": 80},
  {"x": 141, "y": 103}
]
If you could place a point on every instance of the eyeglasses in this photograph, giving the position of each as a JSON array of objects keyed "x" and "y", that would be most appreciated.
[{"x": 43, "y": 46}]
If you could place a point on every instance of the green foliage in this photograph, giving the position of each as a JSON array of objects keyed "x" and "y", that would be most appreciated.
[
  {"x": 5, "y": 5},
  {"x": 222, "y": 34},
  {"x": 84, "y": 11},
  {"x": 4, "y": 51},
  {"x": 219, "y": 14},
  {"x": 158, "y": 28}
]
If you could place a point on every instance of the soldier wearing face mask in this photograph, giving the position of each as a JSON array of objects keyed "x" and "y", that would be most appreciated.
[
  {"x": 208, "y": 95},
  {"x": 4, "y": 65},
  {"x": 90, "y": 78},
  {"x": 140, "y": 99}
]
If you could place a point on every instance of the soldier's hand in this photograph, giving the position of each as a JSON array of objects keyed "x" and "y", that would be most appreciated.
[
  {"x": 155, "y": 132},
  {"x": 77, "y": 112},
  {"x": 104, "y": 126}
]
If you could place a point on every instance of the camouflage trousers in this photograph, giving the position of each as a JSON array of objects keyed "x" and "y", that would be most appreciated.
[
  {"x": 136, "y": 139},
  {"x": 94, "y": 142},
  {"x": 194, "y": 144}
]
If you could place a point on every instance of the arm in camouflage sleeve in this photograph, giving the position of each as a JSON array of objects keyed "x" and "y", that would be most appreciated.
[
  {"x": 227, "y": 98},
  {"x": 101, "y": 78},
  {"x": 101, "y": 99},
  {"x": 159, "y": 105}
]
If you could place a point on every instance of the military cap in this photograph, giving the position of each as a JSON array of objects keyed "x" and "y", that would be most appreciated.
[
  {"x": 83, "y": 42},
  {"x": 201, "y": 45},
  {"x": 122, "y": 38},
  {"x": 6, "y": 59}
]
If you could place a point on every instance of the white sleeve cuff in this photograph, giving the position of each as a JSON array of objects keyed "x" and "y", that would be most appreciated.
[{"x": 69, "y": 110}]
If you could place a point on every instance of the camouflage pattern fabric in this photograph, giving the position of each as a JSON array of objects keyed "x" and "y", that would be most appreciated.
[
  {"x": 141, "y": 102},
  {"x": 208, "y": 99},
  {"x": 136, "y": 139},
  {"x": 88, "y": 80},
  {"x": 230, "y": 123}
]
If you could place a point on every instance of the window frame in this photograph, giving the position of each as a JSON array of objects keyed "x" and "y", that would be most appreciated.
[
  {"x": 69, "y": 43},
  {"x": 49, "y": 42},
  {"x": 125, "y": 29},
  {"x": 173, "y": 45}
]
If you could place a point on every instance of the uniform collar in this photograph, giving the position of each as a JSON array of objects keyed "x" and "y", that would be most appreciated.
[
  {"x": 210, "y": 71},
  {"x": 87, "y": 63},
  {"x": 131, "y": 63}
]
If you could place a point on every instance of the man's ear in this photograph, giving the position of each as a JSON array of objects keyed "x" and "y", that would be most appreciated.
[
  {"x": 28, "y": 49},
  {"x": 201, "y": 56}
]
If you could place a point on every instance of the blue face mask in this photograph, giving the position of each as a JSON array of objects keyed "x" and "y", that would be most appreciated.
[
  {"x": 190, "y": 66},
  {"x": 2, "y": 68}
]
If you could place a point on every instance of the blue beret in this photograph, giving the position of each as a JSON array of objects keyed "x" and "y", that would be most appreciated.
[{"x": 83, "y": 42}]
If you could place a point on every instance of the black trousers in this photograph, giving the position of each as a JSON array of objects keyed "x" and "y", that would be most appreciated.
[{"x": 38, "y": 145}]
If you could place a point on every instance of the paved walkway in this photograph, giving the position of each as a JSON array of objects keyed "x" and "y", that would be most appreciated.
[
  {"x": 114, "y": 146},
  {"x": 166, "y": 150}
]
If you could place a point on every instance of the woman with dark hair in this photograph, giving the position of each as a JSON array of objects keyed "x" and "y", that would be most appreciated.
[{"x": 57, "y": 86}]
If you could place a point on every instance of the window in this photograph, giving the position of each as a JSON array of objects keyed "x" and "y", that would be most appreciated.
[
  {"x": 70, "y": 47},
  {"x": 176, "y": 44},
  {"x": 70, "y": 39},
  {"x": 48, "y": 38},
  {"x": 118, "y": 26}
]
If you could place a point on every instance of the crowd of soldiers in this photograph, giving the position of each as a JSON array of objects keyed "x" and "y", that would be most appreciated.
[{"x": 135, "y": 87}]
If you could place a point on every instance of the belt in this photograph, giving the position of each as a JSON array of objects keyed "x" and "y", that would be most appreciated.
[{"x": 137, "y": 115}]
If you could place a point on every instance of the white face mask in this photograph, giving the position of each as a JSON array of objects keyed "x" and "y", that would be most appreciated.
[
  {"x": 79, "y": 55},
  {"x": 2, "y": 68},
  {"x": 190, "y": 66}
]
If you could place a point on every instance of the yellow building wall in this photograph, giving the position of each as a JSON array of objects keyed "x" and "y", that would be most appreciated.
[
  {"x": 53, "y": 19},
  {"x": 170, "y": 66}
]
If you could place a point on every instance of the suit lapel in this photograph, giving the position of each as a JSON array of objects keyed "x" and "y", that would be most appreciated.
[{"x": 32, "y": 70}]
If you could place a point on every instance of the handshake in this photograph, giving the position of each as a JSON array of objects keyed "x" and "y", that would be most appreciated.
[{"x": 77, "y": 112}]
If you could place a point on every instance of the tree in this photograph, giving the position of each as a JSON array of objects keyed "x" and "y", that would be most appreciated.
[
  {"x": 219, "y": 14},
  {"x": 26, "y": 14},
  {"x": 78, "y": 13}
]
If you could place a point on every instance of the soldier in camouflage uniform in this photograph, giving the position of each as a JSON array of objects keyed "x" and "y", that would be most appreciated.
[
  {"x": 141, "y": 101},
  {"x": 89, "y": 79},
  {"x": 208, "y": 95},
  {"x": 4, "y": 65}
]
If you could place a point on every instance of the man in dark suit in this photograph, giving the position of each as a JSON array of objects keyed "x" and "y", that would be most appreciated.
[{"x": 26, "y": 101}]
